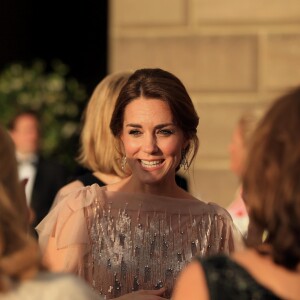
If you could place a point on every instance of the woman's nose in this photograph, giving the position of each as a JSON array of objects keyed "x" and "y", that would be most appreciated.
[{"x": 150, "y": 144}]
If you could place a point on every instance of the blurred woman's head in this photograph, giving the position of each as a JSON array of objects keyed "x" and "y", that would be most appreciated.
[
  {"x": 97, "y": 151},
  {"x": 240, "y": 140},
  {"x": 272, "y": 178}
]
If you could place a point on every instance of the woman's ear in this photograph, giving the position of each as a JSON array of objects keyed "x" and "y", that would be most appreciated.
[
  {"x": 186, "y": 145},
  {"x": 121, "y": 146}
]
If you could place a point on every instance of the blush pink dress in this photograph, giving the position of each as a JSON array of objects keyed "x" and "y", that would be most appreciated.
[{"x": 122, "y": 242}]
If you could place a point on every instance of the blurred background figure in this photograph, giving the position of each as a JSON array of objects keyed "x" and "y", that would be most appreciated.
[
  {"x": 97, "y": 157},
  {"x": 22, "y": 275},
  {"x": 44, "y": 176},
  {"x": 238, "y": 150}
]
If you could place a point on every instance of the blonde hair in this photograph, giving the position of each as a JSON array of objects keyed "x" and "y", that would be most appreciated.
[{"x": 97, "y": 151}]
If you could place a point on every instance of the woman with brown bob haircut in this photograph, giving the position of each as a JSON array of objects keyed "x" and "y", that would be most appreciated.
[
  {"x": 130, "y": 239},
  {"x": 269, "y": 269}
]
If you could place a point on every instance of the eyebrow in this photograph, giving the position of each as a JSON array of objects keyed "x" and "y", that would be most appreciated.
[{"x": 159, "y": 126}]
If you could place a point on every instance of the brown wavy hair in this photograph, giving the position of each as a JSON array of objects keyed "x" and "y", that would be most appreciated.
[
  {"x": 272, "y": 179},
  {"x": 9, "y": 180},
  {"x": 162, "y": 85},
  {"x": 19, "y": 252}
]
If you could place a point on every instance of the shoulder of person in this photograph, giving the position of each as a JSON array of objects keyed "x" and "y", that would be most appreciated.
[
  {"x": 52, "y": 286},
  {"x": 65, "y": 190},
  {"x": 219, "y": 210},
  {"x": 50, "y": 162},
  {"x": 68, "y": 188},
  {"x": 191, "y": 283},
  {"x": 226, "y": 218},
  {"x": 75, "y": 196},
  {"x": 72, "y": 287},
  {"x": 68, "y": 286}
]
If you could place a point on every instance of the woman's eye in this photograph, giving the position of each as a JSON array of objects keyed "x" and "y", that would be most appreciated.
[
  {"x": 165, "y": 132},
  {"x": 134, "y": 132}
]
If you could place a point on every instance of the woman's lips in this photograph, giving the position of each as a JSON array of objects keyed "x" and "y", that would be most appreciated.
[{"x": 151, "y": 164}]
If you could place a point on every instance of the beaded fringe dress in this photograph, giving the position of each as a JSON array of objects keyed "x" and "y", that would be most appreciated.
[{"x": 122, "y": 242}]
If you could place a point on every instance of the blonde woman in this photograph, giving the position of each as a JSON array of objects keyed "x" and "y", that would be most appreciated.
[
  {"x": 241, "y": 139},
  {"x": 97, "y": 150}
]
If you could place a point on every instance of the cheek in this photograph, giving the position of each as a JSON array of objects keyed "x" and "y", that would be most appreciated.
[
  {"x": 237, "y": 159},
  {"x": 171, "y": 147},
  {"x": 129, "y": 145},
  {"x": 233, "y": 152}
]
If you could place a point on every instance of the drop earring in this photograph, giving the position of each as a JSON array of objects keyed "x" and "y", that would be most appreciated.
[
  {"x": 184, "y": 162},
  {"x": 123, "y": 162}
]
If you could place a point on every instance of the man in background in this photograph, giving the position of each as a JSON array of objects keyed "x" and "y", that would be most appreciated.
[{"x": 44, "y": 176}]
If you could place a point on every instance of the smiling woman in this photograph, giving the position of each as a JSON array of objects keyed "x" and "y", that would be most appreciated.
[
  {"x": 137, "y": 234},
  {"x": 152, "y": 144}
]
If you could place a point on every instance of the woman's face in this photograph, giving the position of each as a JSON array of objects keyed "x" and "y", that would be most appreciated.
[
  {"x": 25, "y": 134},
  {"x": 152, "y": 142},
  {"x": 237, "y": 152}
]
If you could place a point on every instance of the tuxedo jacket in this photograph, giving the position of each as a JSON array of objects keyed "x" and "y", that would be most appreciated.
[{"x": 50, "y": 177}]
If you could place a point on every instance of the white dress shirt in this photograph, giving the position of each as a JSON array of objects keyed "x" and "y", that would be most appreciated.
[{"x": 27, "y": 170}]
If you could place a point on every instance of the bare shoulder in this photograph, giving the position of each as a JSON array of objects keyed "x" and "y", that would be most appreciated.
[{"x": 191, "y": 283}]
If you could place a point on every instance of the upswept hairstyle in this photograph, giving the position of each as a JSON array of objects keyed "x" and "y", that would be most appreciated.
[
  {"x": 97, "y": 150},
  {"x": 272, "y": 179},
  {"x": 162, "y": 85}
]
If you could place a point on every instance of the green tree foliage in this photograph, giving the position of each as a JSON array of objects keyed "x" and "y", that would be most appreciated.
[{"x": 57, "y": 97}]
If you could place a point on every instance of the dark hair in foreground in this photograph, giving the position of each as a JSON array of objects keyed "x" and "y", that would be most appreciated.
[
  {"x": 162, "y": 85},
  {"x": 18, "y": 250},
  {"x": 272, "y": 179}
]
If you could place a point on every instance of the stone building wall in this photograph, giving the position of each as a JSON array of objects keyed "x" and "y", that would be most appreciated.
[{"x": 232, "y": 55}]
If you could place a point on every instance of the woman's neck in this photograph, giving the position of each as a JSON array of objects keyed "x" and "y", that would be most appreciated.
[
  {"x": 107, "y": 178},
  {"x": 168, "y": 189}
]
